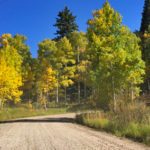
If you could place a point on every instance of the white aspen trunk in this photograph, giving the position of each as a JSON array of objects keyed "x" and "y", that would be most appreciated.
[
  {"x": 114, "y": 94},
  {"x": 66, "y": 89},
  {"x": 57, "y": 91},
  {"x": 85, "y": 91},
  {"x": 78, "y": 60},
  {"x": 94, "y": 94},
  {"x": 115, "y": 102},
  {"x": 47, "y": 98},
  {"x": 79, "y": 92},
  {"x": 65, "y": 95},
  {"x": 148, "y": 83},
  {"x": 45, "y": 107},
  {"x": 2, "y": 104},
  {"x": 29, "y": 95},
  {"x": 132, "y": 92}
]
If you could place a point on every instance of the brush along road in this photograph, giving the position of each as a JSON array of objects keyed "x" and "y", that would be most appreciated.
[{"x": 58, "y": 132}]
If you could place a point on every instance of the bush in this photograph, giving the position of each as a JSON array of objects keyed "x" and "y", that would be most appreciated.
[
  {"x": 145, "y": 133},
  {"x": 93, "y": 120},
  {"x": 80, "y": 107},
  {"x": 133, "y": 131},
  {"x": 131, "y": 122},
  {"x": 137, "y": 113},
  {"x": 37, "y": 105}
]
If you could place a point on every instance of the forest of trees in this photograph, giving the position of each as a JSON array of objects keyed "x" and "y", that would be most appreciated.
[{"x": 106, "y": 65}]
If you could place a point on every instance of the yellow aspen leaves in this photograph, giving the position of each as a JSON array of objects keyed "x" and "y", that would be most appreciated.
[
  {"x": 114, "y": 53},
  {"x": 10, "y": 73}
]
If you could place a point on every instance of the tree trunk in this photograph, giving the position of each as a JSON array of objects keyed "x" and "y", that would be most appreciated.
[
  {"x": 85, "y": 91},
  {"x": 132, "y": 92},
  {"x": 94, "y": 94},
  {"x": 66, "y": 89},
  {"x": 114, "y": 95},
  {"x": 57, "y": 91},
  {"x": 148, "y": 84},
  {"x": 79, "y": 92},
  {"x": 2, "y": 104},
  {"x": 45, "y": 107},
  {"x": 113, "y": 86},
  {"x": 78, "y": 61},
  {"x": 65, "y": 95}
]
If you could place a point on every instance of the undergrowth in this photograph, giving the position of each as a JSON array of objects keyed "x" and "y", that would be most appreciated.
[
  {"x": 131, "y": 121},
  {"x": 21, "y": 112}
]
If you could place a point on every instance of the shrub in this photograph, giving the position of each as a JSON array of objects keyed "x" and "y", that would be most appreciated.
[
  {"x": 133, "y": 131},
  {"x": 132, "y": 124},
  {"x": 36, "y": 105},
  {"x": 137, "y": 113}
]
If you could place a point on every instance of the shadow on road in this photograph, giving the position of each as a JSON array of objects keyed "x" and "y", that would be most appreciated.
[{"x": 44, "y": 120}]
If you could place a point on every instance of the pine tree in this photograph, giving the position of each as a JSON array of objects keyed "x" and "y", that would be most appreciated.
[
  {"x": 144, "y": 35},
  {"x": 65, "y": 23},
  {"x": 146, "y": 17}
]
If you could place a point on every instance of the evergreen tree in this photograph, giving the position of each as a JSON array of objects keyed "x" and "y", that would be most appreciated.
[
  {"x": 65, "y": 23},
  {"x": 144, "y": 35},
  {"x": 146, "y": 17}
]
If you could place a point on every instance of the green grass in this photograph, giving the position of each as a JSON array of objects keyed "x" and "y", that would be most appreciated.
[
  {"x": 82, "y": 107},
  {"x": 136, "y": 131},
  {"x": 13, "y": 113}
]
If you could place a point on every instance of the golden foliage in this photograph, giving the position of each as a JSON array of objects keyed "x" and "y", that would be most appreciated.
[{"x": 10, "y": 74}]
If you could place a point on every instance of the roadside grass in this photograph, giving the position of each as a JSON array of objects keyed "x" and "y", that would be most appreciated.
[
  {"x": 35, "y": 109},
  {"x": 22, "y": 112},
  {"x": 120, "y": 123},
  {"x": 82, "y": 107}
]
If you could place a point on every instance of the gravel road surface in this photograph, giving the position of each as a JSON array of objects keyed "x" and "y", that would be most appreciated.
[{"x": 57, "y": 132}]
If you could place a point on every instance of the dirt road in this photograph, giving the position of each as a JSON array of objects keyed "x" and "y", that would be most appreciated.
[{"x": 58, "y": 133}]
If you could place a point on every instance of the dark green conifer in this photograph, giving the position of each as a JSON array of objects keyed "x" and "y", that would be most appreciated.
[
  {"x": 65, "y": 23},
  {"x": 145, "y": 17}
]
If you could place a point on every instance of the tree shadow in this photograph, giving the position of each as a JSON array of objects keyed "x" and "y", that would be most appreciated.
[{"x": 45, "y": 120}]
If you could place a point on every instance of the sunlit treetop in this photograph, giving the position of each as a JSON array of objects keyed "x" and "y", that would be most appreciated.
[
  {"x": 65, "y": 22},
  {"x": 105, "y": 20},
  {"x": 4, "y": 39},
  {"x": 112, "y": 44}
]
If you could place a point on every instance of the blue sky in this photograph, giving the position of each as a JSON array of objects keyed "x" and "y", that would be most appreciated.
[{"x": 35, "y": 18}]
